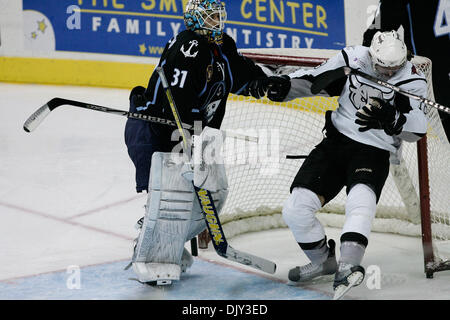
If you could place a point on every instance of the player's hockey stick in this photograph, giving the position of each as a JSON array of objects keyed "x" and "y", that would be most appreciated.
[
  {"x": 426, "y": 101},
  {"x": 326, "y": 78},
  {"x": 39, "y": 115},
  {"x": 209, "y": 209}
]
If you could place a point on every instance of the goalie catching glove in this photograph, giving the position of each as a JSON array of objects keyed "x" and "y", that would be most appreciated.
[
  {"x": 379, "y": 114},
  {"x": 275, "y": 87}
]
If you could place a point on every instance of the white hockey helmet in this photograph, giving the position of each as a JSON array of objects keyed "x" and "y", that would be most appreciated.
[
  {"x": 388, "y": 53},
  {"x": 206, "y": 17}
]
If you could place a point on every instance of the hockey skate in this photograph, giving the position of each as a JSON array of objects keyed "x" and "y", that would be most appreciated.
[
  {"x": 347, "y": 277},
  {"x": 311, "y": 271}
]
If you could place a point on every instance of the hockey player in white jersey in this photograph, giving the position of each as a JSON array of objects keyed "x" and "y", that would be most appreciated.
[{"x": 359, "y": 136}]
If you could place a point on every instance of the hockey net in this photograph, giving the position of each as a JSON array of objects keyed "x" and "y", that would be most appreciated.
[{"x": 260, "y": 175}]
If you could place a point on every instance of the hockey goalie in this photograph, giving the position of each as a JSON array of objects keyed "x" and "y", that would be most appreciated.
[
  {"x": 202, "y": 67},
  {"x": 173, "y": 214}
]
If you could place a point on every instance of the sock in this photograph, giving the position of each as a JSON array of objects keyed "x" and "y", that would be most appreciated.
[
  {"x": 317, "y": 252},
  {"x": 352, "y": 253}
]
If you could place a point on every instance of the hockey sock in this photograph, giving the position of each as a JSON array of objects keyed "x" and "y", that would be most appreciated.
[
  {"x": 353, "y": 247},
  {"x": 317, "y": 252}
]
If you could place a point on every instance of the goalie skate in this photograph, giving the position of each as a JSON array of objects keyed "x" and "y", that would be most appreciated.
[
  {"x": 312, "y": 271},
  {"x": 160, "y": 274},
  {"x": 347, "y": 277}
]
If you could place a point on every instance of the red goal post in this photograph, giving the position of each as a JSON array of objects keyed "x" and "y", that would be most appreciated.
[{"x": 414, "y": 202}]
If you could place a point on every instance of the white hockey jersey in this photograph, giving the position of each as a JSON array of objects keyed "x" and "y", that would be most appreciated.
[{"x": 355, "y": 92}]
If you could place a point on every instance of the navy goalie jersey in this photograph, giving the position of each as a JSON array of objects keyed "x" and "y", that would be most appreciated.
[{"x": 201, "y": 75}]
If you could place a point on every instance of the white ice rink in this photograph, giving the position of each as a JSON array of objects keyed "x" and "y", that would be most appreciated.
[{"x": 67, "y": 198}]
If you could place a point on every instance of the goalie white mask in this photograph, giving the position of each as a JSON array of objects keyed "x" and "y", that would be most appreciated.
[{"x": 388, "y": 53}]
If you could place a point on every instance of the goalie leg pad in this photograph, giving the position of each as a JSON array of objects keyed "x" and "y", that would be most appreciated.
[
  {"x": 167, "y": 221},
  {"x": 173, "y": 216}
]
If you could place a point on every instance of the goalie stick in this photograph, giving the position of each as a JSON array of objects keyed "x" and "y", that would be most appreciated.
[
  {"x": 40, "y": 114},
  {"x": 209, "y": 209},
  {"x": 326, "y": 78}
]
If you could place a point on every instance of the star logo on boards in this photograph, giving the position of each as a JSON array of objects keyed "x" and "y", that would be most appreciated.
[
  {"x": 42, "y": 26},
  {"x": 142, "y": 48}
]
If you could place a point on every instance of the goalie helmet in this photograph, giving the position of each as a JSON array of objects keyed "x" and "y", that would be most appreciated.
[
  {"x": 388, "y": 53},
  {"x": 207, "y": 18}
]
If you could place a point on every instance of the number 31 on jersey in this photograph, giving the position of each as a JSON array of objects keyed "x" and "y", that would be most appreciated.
[{"x": 179, "y": 78}]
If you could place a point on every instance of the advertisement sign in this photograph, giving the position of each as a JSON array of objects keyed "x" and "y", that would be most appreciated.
[{"x": 143, "y": 27}]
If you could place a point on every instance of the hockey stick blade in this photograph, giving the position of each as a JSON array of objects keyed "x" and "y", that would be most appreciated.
[
  {"x": 219, "y": 241},
  {"x": 36, "y": 118},
  {"x": 40, "y": 114},
  {"x": 325, "y": 79},
  {"x": 250, "y": 260}
]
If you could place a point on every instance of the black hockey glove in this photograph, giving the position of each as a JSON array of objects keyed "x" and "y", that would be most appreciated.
[
  {"x": 379, "y": 114},
  {"x": 138, "y": 102},
  {"x": 278, "y": 88},
  {"x": 257, "y": 88}
]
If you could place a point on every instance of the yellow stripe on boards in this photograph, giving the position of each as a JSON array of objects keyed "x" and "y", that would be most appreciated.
[
  {"x": 117, "y": 75},
  {"x": 74, "y": 72}
]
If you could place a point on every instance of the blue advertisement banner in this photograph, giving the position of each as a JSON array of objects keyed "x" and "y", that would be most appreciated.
[{"x": 143, "y": 27}]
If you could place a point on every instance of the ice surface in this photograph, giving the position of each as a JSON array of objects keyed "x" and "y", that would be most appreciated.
[{"x": 67, "y": 198}]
